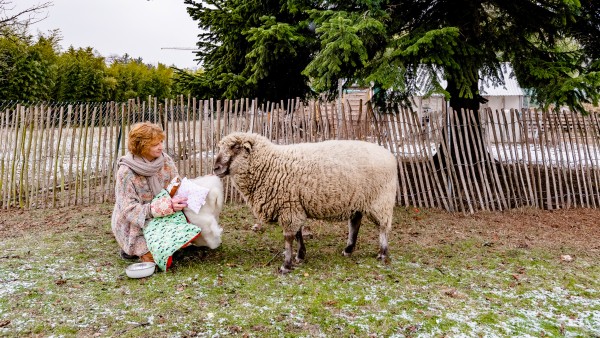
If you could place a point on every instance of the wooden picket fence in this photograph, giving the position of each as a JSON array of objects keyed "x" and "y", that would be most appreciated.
[{"x": 56, "y": 155}]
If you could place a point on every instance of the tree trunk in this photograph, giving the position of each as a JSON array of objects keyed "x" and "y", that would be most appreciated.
[
  {"x": 456, "y": 131},
  {"x": 464, "y": 151}
]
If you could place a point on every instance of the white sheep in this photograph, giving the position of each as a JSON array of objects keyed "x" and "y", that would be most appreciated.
[{"x": 331, "y": 180}]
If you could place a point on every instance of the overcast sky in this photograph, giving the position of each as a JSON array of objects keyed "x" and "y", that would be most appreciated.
[{"x": 139, "y": 28}]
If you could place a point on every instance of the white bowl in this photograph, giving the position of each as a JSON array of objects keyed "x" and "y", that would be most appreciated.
[{"x": 140, "y": 270}]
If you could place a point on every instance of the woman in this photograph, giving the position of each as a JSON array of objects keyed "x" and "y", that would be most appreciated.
[{"x": 142, "y": 174}]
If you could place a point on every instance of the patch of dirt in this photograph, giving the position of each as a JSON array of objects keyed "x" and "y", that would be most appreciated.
[
  {"x": 519, "y": 228},
  {"x": 15, "y": 222}
]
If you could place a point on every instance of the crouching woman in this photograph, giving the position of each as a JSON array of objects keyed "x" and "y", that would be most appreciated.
[{"x": 143, "y": 174}]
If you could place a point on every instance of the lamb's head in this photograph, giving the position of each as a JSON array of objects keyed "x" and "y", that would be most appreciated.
[{"x": 234, "y": 152}]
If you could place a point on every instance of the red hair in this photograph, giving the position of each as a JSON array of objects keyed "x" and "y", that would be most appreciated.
[{"x": 144, "y": 135}]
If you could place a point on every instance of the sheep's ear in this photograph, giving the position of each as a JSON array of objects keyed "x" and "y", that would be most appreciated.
[{"x": 242, "y": 145}]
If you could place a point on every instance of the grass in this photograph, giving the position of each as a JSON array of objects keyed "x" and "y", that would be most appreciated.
[{"x": 450, "y": 275}]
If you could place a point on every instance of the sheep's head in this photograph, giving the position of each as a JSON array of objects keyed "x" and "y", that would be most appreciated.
[{"x": 234, "y": 150}]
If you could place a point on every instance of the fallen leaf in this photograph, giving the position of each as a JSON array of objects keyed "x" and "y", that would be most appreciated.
[
  {"x": 412, "y": 328},
  {"x": 452, "y": 292},
  {"x": 259, "y": 328},
  {"x": 235, "y": 329}
]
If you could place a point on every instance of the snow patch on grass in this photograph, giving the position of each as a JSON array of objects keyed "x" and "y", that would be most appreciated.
[{"x": 11, "y": 284}]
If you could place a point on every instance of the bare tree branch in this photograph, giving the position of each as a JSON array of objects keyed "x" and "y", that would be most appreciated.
[{"x": 18, "y": 20}]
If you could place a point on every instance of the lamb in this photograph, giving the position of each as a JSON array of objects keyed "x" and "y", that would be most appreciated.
[
  {"x": 207, "y": 217},
  {"x": 330, "y": 180}
]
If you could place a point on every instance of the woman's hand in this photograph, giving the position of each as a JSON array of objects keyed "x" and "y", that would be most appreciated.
[{"x": 179, "y": 203}]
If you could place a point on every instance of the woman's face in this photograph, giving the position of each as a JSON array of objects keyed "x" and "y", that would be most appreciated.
[{"x": 154, "y": 151}]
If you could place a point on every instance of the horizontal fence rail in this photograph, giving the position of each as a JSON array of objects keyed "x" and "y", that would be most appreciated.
[{"x": 54, "y": 155}]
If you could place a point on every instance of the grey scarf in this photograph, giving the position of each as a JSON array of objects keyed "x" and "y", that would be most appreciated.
[{"x": 145, "y": 168}]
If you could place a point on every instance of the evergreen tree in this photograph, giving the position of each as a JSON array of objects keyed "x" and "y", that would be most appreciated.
[
  {"x": 81, "y": 76},
  {"x": 252, "y": 49},
  {"x": 269, "y": 49},
  {"x": 131, "y": 78},
  {"x": 27, "y": 66},
  {"x": 279, "y": 49}
]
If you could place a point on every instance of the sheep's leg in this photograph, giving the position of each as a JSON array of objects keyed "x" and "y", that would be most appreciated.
[
  {"x": 292, "y": 223},
  {"x": 353, "y": 227},
  {"x": 287, "y": 253},
  {"x": 384, "y": 229},
  {"x": 301, "y": 249},
  {"x": 383, "y": 254}
]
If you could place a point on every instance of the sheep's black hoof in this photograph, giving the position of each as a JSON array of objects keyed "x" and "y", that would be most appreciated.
[
  {"x": 298, "y": 260},
  {"x": 385, "y": 259},
  {"x": 348, "y": 251},
  {"x": 283, "y": 270}
]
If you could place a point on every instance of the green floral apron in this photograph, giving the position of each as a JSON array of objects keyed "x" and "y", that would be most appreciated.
[{"x": 165, "y": 235}]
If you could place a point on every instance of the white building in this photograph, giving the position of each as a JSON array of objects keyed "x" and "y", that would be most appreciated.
[{"x": 509, "y": 96}]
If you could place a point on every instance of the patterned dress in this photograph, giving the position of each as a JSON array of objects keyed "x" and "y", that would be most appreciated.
[{"x": 132, "y": 206}]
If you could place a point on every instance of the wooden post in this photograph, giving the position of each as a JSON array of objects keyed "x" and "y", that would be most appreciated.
[
  {"x": 102, "y": 163},
  {"x": 58, "y": 150},
  {"x": 194, "y": 147},
  {"x": 92, "y": 174}
]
